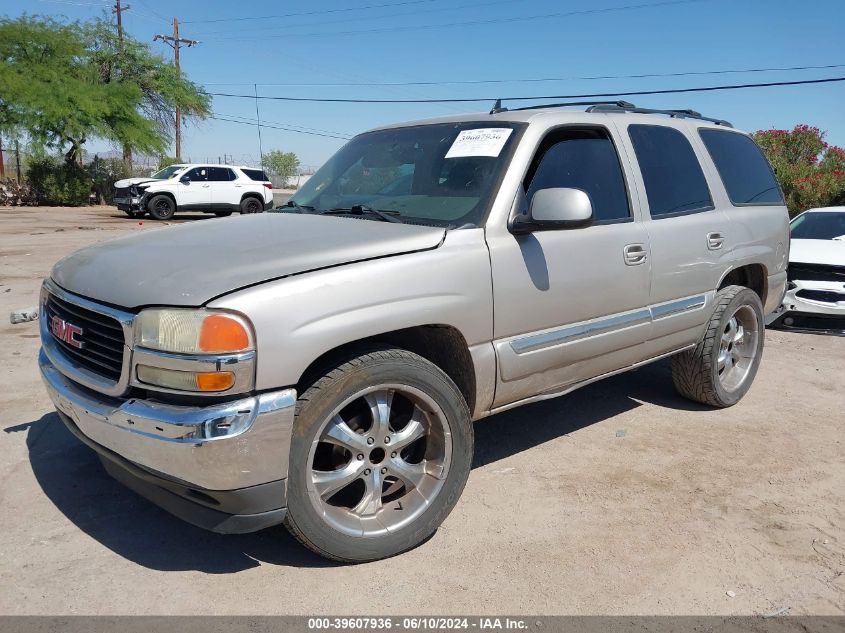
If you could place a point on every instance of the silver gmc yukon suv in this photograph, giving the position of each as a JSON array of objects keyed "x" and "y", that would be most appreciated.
[{"x": 322, "y": 365}]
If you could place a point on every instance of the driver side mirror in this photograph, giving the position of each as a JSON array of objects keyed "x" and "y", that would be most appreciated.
[
  {"x": 185, "y": 180},
  {"x": 554, "y": 209}
]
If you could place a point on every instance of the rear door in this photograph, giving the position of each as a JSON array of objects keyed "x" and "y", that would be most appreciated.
[
  {"x": 225, "y": 196},
  {"x": 571, "y": 304},
  {"x": 687, "y": 232}
]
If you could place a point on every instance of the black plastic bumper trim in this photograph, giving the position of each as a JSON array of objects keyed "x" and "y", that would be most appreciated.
[{"x": 225, "y": 511}]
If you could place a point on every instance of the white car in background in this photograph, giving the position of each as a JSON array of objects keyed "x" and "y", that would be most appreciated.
[
  {"x": 218, "y": 189},
  {"x": 815, "y": 295}
]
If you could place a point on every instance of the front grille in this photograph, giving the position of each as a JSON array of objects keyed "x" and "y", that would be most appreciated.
[
  {"x": 102, "y": 337},
  {"x": 122, "y": 192},
  {"x": 815, "y": 272},
  {"x": 825, "y": 296}
]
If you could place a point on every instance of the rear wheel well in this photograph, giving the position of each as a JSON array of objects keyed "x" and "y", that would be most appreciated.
[
  {"x": 751, "y": 276},
  {"x": 252, "y": 194},
  {"x": 442, "y": 345}
]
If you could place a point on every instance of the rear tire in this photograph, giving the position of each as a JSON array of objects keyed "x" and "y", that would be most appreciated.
[
  {"x": 251, "y": 205},
  {"x": 380, "y": 453},
  {"x": 720, "y": 369},
  {"x": 161, "y": 207}
]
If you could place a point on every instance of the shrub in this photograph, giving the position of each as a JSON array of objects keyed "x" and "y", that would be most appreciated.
[
  {"x": 103, "y": 174},
  {"x": 56, "y": 181},
  {"x": 811, "y": 172}
]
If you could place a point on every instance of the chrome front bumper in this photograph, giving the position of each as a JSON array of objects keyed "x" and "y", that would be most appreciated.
[{"x": 227, "y": 446}]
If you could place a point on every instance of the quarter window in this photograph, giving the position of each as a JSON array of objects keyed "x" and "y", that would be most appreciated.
[
  {"x": 744, "y": 170},
  {"x": 674, "y": 182},
  {"x": 586, "y": 160}
]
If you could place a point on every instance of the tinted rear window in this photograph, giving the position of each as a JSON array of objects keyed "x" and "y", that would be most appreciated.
[
  {"x": 220, "y": 174},
  {"x": 744, "y": 170},
  {"x": 256, "y": 174},
  {"x": 674, "y": 182}
]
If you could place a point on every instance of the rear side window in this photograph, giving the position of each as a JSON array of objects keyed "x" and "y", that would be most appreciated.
[
  {"x": 744, "y": 170},
  {"x": 586, "y": 160},
  {"x": 220, "y": 174},
  {"x": 674, "y": 182},
  {"x": 256, "y": 174}
]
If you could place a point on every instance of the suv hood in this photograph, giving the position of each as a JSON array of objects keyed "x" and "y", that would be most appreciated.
[
  {"x": 827, "y": 252},
  {"x": 128, "y": 182},
  {"x": 190, "y": 264}
]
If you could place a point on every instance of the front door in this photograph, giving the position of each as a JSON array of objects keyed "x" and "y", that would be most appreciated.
[
  {"x": 195, "y": 195},
  {"x": 571, "y": 304}
]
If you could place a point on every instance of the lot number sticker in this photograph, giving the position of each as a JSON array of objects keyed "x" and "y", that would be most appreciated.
[{"x": 487, "y": 141}]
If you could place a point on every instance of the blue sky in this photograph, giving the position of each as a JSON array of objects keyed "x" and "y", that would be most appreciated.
[{"x": 387, "y": 44}]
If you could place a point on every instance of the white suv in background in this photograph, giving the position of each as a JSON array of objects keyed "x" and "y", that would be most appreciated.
[{"x": 218, "y": 189}]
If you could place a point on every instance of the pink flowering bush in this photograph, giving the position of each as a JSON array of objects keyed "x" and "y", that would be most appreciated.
[{"x": 810, "y": 171}]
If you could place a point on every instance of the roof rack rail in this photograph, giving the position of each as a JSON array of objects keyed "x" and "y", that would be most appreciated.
[
  {"x": 497, "y": 107},
  {"x": 681, "y": 114}
]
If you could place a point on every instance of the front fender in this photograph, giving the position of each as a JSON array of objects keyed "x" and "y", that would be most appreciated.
[{"x": 301, "y": 317}]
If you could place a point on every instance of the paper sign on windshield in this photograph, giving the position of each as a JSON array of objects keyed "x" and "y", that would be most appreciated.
[{"x": 487, "y": 141}]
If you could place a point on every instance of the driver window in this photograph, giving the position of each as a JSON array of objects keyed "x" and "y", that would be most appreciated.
[
  {"x": 197, "y": 174},
  {"x": 583, "y": 159}
]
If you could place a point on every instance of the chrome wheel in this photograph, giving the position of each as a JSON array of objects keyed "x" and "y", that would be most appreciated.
[
  {"x": 379, "y": 460},
  {"x": 738, "y": 348}
]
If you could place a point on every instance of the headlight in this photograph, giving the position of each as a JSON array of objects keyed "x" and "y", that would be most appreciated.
[{"x": 192, "y": 331}]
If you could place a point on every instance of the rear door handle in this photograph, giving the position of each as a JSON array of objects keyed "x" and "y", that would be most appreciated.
[
  {"x": 715, "y": 241},
  {"x": 635, "y": 254}
]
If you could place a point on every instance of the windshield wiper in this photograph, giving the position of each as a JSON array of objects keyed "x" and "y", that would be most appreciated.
[
  {"x": 299, "y": 208},
  {"x": 361, "y": 209}
]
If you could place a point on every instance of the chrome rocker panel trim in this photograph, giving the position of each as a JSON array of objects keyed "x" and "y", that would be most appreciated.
[{"x": 251, "y": 445}]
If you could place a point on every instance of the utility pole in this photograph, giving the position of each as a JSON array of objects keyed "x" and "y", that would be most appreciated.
[
  {"x": 2, "y": 166},
  {"x": 258, "y": 119},
  {"x": 118, "y": 11},
  {"x": 176, "y": 42},
  {"x": 18, "y": 159}
]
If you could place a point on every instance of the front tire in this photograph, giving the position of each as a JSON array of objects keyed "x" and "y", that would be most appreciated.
[
  {"x": 135, "y": 214},
  {"x": 381, "y": 450},
  {"x": 161, "y": 207},
  {"x": 720, "y": 369}
]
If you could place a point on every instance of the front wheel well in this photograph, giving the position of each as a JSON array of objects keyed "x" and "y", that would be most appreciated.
[
  {"x": 152, "y": 195},
  {"x": 751, "y": 276},
  {"x": 442, "y": 345}
]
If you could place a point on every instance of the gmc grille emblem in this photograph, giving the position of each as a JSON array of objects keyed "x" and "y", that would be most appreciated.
[{"x": 66, "y": 332}]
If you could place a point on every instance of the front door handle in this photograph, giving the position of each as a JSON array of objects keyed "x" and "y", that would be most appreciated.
[
  {"x": 715, "y": 241},
  {"x": 635, "y": 254}
]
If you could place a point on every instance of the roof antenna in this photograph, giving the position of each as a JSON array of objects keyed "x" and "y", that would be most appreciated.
[{"x": 497, "y": 107}]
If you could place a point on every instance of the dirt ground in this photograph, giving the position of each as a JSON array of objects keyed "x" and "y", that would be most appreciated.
[{"x": 620, "y": 498}]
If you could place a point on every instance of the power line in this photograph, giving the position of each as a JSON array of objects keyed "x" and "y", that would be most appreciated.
[
  {"x": 466, "y": 82},
  {"x": 279, "y": 127},
  {"x": 543, "y": 98},
  {"x": 520, "y": 18},
  {"x": 320, "y": 12},
  {"x": 305, "y": 128},
  {"x": 345, "y": 19}
]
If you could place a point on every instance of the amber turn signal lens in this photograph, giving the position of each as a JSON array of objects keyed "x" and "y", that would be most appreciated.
[
  {"x": 215, "y": 381},
  {"x": 221, "y": 333}
]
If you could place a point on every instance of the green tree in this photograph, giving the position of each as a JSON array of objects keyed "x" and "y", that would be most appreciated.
[
  {"x": 162, "y": 88},
  {"x": 66, "y": 83},
  {"x": 810, "y": 171},
  {"x": 283, "y": 164},
  {"x": 51, "y": 91}
]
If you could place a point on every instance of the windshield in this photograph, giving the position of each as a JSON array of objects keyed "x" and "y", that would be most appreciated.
[
  {"x": 441, "y": 174},
  {"x": 819, "y": 225},
  {"x": 167, "y": 172}
]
